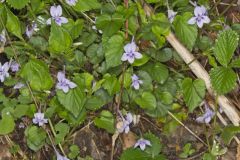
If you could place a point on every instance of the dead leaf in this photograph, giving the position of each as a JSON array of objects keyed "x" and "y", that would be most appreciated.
[{"x": 129, "y": 140}]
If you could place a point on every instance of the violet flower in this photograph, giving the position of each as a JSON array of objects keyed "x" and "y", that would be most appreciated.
[
  {"x": 126, "y": 122},
  {"x": 60, "y": 157},
  {"x": 30, "y": 29},
  {"x": 3, "y": 37},
  {"x": 19, "y": 85},
  {"x": 4, "y": 71},
  {"x": 56, "y": 12},
  {"x": 142, "y": 143},
  {"x": 39, "y": 119},
  {"x": 63, "y": 83},
  {"x": 207, "y": 116},
  {"x": 71, "y": 2},
  {"x": 171, "y": 15},
  {"x": 200, "y": 17},
  {"x": 130, "y": 53},
  {"x": 136, "y": 82},
  {"x": 14, "y": 66}
]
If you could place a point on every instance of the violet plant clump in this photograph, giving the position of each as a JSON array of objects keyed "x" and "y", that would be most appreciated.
[{"x": 98, "y": 74}]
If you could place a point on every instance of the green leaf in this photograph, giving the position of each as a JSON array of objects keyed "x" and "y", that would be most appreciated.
[
  {"x": 105, "y": 121},
  {"x": 73, "y": 101},
  {"x": 133, "y": 154},
  {"x": 109, "y": 24},
  {"x": 228, "y": 133},
  {"x": 155, "y": 147},
  {"x": 209, "y": 156},
  {"x": 86, "y": 5},
  {"x": 62, "y": 130},
  {"x": 18, "y": 4},
  {"x": 235, "y": 63},
  {"x": 186, "y": 33},
  {"x": 35, "y": 137},
  {"x": 7, "y": 124},
  {"x": 74, "y": 151},
  {"x": 147, "y": 101},
  {"x": 193, "y": 92},
  {"x": 74, "y": 28},
  {"x": 111, "y": 84},
  {"x": 157, "y": 71},
  {"x": 59, "y": 40},
  {"x": 223, "y": 79},
  {"x": 94, "y": 103},
  {"x": 141, "y": 61},
  {"x": 113, "y": 49},
  {"x": 13, "y": 24},
  {"x": 37, "y": 73},
  {"x": 225, "y": 46}
]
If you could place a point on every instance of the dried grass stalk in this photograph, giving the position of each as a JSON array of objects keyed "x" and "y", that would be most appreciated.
[{"x": 200, "y": 72}]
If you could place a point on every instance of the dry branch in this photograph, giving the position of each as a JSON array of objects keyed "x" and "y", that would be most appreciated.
[{"x": 200, "y": 72}]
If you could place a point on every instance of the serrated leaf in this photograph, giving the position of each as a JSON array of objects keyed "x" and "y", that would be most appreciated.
[
  {"x": 228, "y": 133},
  {"x": 235, "y": 63},
  {"x": 109, "y": 24},
  {"x": 186, "y": 33},
  {"x": 223, "y": 79},
  {"x": 36, "y": 72},
  {"x": 193, "y": 92},
  {"x": 60, "y": 40},
  {"x": 73, "y": 101},
  {"x": 18, "y": 4},
  {"x": 13, "y": 24},
  {"x": 225, "y": 46},
  {"x": 113, "y": 49},
  {"x": 146, "y": 101},
  {"x": 86, "y": 5}
]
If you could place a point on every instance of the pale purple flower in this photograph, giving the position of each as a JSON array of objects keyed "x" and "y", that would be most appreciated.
[
  {"x": 71, "y": 2},
  {"x": 3, "y": 37},
  {"x": 30, "y": 29},
  {"x": 130, "y": 53},
  {"x": 56, "y": 13},
  {"x": 63, "y": 83},
  {"x": 136, "y": 82},
  {"x": 171, "y": 15},
  {"x": 126, "y": 122},
  {"x": 200, "y": 16},
  {"x": 19, "y": 85},
  {"x": 39, "y": 119},
  {"x": 142, "y": 143},
  {"x": 60, "y": 157},
  {"x": 4, "y": 71},
  {"x": 207, "y": 116},
  {"x": 14, "y": 66}
]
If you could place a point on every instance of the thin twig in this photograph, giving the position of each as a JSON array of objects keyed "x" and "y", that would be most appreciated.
[{"x": 189, "y": 130}]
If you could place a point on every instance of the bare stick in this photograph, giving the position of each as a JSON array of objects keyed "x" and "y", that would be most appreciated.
[
  {"x": 200, "y": 72},
  {"x": 189, "y": 130}
]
